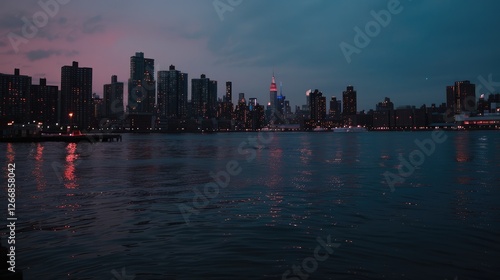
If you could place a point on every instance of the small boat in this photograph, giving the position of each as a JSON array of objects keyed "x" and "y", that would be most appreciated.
[{"x": 319, "y": 129}]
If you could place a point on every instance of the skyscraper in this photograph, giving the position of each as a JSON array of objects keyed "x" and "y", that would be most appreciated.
[
  {"x": 450, "y": 99},
  {"x": 113, "y": 99},
  {"x": 141, "y": 85},
  {"x": 461, "y": 97},
  {"x": 14, "y": 98},
  {"x": 317, "y": 105},
  {"x": 204, "y": 97},
  {"x": 43, "y": 101},
  {"x": 241, "y": 98},
  {"x": 349, "y": 100},
  {"x": 280, "y": 101},
  {"x": 335, "y": 108},
  {"x": 97, "y": 110},
  {"x": 229, "y": 92},
  {"x": 76, "y": 96},
  {"x": 273, "y": 95},
  {"x": 386, "y": 105},
  {"x": 172, "y": 93}
]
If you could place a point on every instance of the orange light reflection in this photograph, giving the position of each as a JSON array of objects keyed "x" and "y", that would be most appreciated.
[{"x": 69, "y": 171}]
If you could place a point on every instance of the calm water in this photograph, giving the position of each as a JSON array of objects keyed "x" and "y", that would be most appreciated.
[{"x": 108, "y": 210}]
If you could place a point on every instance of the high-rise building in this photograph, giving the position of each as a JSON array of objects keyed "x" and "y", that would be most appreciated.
[
  {"x": 76, "y": 96},
  {"x": 317, "y": 105},
  {"x": 241, "y": 98},
  {"x": 461, "y": 97},
  {"x": 44, "y": 102},
  {"x": 280, "y": 102},
  {"x": 335, "y": 108},
  {"x": 229, "y": 92},
  {"x": 252, "y": 102},
  {"x": 204, "y": 97},
  {"x": 349, "y": 101},
  {"x": 386, "y": 105},
  {"x": 97, "y": 110},
  {"x": 172, "y": 93},
  {"x": 113, "y": 99},
  {"x": 273, "y": 95},
  {"x": 288, "y": 109},
  {"x": 14, "y": 98},
  {"x": 141, "y": 85},
  {"x": 241, "y": 115},
  {"x": 450, "y": 98}
]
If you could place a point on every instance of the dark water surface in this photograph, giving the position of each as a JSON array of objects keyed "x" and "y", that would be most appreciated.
[{"x": 113, "y": 210}]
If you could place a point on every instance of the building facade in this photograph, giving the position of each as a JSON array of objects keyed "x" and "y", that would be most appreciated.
[
  {"x": 204, "y": 97},
  {"x": 113, "y": 99},
  {"x": 14, "y": 98},
  {"x": 76, "y": 96},
  {"x": 461, "y": 97},
  {"x": 349, "y": 100},
  {"x": 141, "y": 85},
  {"x": 44, "y": 103},
  {"x": 172, "y": 93},
  {"x": 317, "y": 104}
]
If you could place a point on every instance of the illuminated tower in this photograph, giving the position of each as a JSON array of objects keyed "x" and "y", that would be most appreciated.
[
  {"x": 76, "y": 95},
  {"x": 273, "y": 95},
  {"x": 350, "y": 102},
  {"x": 141, "y": 85}
]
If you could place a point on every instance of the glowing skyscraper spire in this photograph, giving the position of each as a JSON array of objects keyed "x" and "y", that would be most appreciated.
[{"x": 273, "y": 93}]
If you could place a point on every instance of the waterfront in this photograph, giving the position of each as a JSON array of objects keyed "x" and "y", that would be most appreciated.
[{"x": 88, "y": 210}]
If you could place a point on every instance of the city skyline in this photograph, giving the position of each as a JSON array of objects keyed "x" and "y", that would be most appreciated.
[{"x": 410, "y": 62}]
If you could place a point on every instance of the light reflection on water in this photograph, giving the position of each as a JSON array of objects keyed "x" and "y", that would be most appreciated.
[{"x": 116, "y": 206}]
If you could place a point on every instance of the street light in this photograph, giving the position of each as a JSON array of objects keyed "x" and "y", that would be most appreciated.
[{"x": 70, "y": 122}]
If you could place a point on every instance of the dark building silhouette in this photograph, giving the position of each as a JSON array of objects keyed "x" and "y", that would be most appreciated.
[
  {"x": 204, "y": 97},
  {"x": 172, "y": 93},
  {"x": 280, "y": 104},
  {"x": 335, "y": 108},
  {"x": 317, "y": 104},
  {"x": 450, "y": 99},
  {"x": 76, "y": 96},
  {"x": 113, "y": 99},
  {"x": 225, "y": 107},
  {"x": 461, "y": 97},
  {"x": 141, "y": 85},
  {"x": 97, "y": 110},
  {"x": 241, "y": 113},
  {"x": 229, "y": 92},
  {"x": 241, "y": 98},
  {"x": 14, "y": 98},
  {"x": 350, "y": 102},
  {"x": 255, "y": 115},
  {"x": 44, "y": 103},
  {"x": 385, "y": 105},
  {"x": 225, "y": 110}
]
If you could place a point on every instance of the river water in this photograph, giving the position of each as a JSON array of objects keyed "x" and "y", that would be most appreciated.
[{"x": 286, "y": 206}]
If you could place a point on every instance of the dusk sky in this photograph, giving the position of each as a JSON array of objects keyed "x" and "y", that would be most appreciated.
[{"x": 426, "y": 46}]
